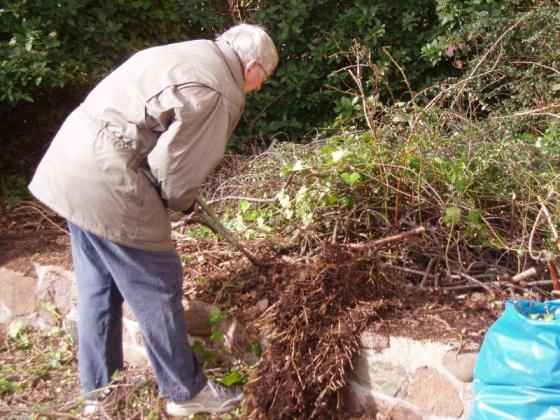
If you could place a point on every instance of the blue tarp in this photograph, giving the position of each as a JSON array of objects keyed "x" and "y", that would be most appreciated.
[{"x": 517, "y": 374}]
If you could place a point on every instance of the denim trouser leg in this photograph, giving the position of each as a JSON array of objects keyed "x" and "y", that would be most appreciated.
[{"x": 150, "y": 282}]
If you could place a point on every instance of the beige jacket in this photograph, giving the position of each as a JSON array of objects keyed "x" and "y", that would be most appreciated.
[{"x": 144, "y": 139}]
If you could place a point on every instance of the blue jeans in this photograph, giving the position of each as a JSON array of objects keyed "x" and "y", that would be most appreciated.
[{"x": 151, "y": 283}]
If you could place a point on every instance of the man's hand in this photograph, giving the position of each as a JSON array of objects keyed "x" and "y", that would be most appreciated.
[
  {"x": 191, "y": 209},
  {"x": 191, "y": 216}
]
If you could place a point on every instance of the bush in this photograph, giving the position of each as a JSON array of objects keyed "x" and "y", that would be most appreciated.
[
  {"x": 51, "y": 52},
  {"x": 521, "y": 72},
  {"x": 315, "y": 38},
  {"x": 47, "y": 44}
]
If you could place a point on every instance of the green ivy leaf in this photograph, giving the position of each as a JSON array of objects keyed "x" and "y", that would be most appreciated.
[
  {"x": 330, "y": 200},
  {"x": 244, "y": 205},
  {"x": 217, "y": 335},
  {"x": 197, "y": 346},
  {"x": 347, "y": 202},
  {"x": 350, "y": 178},
  {"x": 283, "y": 199},
  {"x": 232, "y": 378},
  {"x": 207, "y": 357},
  {"x": 49, "y": 306}
]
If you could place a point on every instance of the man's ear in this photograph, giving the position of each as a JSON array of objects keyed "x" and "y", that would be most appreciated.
[{"x": 249, "y": 67}]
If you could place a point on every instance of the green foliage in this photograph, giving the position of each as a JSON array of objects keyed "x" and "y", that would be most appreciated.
[
  {"x": 46, "y": 45},
  {"x": 6, "y": 387},
  {"x": 214, "y": 316},
  {"x": 233, "y": 378},
  {"x": 255, "y": 348},
  {"x": 204, "y": 355},
  {"x": 452, "y": 216},
  {"x": 315, "y": 39},
  {"x": 17, "y": 332},
  {"x": 50, "y": 307},
  {"x": 13, "y": 188},
  {"x": 520, "y": 72},
  {"x": 453, "y": 173},
  {"x": 205, "y": 18}
]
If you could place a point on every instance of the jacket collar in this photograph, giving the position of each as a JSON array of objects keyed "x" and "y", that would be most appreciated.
[{"x": 233, "y": 61}]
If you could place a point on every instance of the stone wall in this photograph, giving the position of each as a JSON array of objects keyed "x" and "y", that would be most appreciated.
[
  {"x": 25, "y": 298},
  {"x": 400, "y": 378}
]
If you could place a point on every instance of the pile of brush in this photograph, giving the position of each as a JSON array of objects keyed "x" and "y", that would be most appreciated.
[{"x": 314, "y": 331}]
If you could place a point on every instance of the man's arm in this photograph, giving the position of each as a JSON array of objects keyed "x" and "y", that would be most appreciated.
[{"x": 193, "y": 143}]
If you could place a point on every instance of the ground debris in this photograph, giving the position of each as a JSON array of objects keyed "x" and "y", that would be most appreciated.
[{"x": 313, "y": 330}]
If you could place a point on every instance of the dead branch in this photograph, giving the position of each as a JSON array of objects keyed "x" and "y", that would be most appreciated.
[
  {"x": 427, "y": 273},
  {"x": 535, "y": 111},
  {"x": 386, "y": 52},
  {"x": 490, "y": 50},
  {"x": 477, "y": 282},
  {"x": 524, "y": 275},
  {"x": 537, "y": 64},
  {"x": 389, "y": 239}
]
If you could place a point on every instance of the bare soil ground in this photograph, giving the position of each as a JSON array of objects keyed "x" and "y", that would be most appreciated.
[{"x": 310, "y": 310}]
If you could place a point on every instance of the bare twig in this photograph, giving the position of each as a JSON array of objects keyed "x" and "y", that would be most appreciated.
[
  {"x": 262, "y": 111},
  {"x": 554, "y": 275},
  {"x": 43, "y": 212},
  {"x": 492, "y": 48},
  {"x": 386, "y": 52},
  {"x": 389, "y": 239},
  {"x": 235, "y": 197},
  {"x": 427, "y": 272},
  {"x": 478, "y": 282},
  {"x": 497, "y": 284},
  {"x": 537, "y": 64},
  {"x": 524, "y": 275},
  {"x": 536, "y": 110}
]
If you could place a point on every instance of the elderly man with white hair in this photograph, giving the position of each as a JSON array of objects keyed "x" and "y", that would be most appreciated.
[{"x": 142, "y": 142}]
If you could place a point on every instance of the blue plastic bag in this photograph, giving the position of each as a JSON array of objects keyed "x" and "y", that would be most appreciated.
[{"x": 517, "y": 374}]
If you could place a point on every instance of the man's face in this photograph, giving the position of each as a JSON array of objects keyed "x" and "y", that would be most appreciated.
[{"x": 255, "y": 76}]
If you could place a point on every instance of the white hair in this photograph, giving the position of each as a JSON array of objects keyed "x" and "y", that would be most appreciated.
[{"x": 251, "y": 42}]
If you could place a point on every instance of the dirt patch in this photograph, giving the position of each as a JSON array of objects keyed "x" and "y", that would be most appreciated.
[
  {"x": 28, "y": 237},
  {"x": 21, "y": 250}
]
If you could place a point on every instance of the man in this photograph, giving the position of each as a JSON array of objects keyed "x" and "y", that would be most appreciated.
[{"x": 143, "y": 140}]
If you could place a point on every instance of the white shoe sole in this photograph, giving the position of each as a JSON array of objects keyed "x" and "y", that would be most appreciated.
[{"x": 177, "y": 411}]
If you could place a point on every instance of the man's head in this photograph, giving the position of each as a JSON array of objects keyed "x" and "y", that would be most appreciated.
[{"x": 256, "y": 51}]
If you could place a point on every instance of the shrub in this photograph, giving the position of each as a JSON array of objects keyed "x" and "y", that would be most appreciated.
[{"x": 47, "y": 44}]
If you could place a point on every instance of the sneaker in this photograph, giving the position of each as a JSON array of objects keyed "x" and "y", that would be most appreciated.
[
  {"x": 94, "y": 401},
  {"x": 91, "y": 407},
  {"x": 212, "y": 399}
]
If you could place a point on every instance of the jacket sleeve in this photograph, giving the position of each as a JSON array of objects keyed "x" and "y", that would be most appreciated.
[{"x": 197, "y": 128}]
